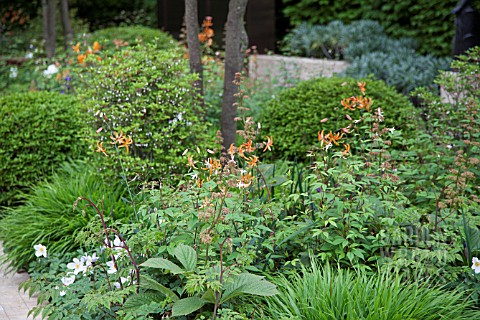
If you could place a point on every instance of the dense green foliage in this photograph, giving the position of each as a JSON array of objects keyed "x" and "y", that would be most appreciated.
[
  {"x": 429, "y": 22},
  {"x": 345, "y": 294},
  {"x": 39, "y": 131},
  {"x": 293, "y": 117},
  {"x": 146, "y": 94},
  {"x": 47, "y": 215},
  {"x": 133, "y": 35},
  {"x": 394, "y": 61}
]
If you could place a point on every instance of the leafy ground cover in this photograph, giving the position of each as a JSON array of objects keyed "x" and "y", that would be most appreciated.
[{"x": 374, "y": 205}]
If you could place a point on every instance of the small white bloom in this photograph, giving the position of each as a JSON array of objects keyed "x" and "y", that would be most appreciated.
[
  {"x": 476, "y": 265},
  {"x": 52, "y": 69},
  {"x": 13, "y": 72},
  {"x": 68, "y": 280},
  {"x": 77, "y": 266},
  {"x": 328, "y": 146},
  {"x": 89, "y": 260},
  {"x": 29, "y": 55},
  {"x": 40, "y": 250},
  {"x": 392, "y": 130},
  {"x": 62, "y": 293},
  {"x": 112, "y": 267}
]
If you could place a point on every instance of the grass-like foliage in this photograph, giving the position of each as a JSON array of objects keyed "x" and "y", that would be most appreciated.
[
  {"x": 39, "y": 131},
  {"x": 324, "y": 293},
  {"x": 48, "y": 217}
]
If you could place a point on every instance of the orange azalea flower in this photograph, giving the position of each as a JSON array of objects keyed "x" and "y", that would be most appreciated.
[
  {"x": 253, "y": 161},
  {"x": 207, "y": 22},
  {"x": 347, "y": 104},
  {"x": 117, "y": 138},
  {"x": 334, "y": 138},
  {"x": 248, "y": 146},
  {"x": 346, "y": 152},
  {"x": 231, "y": 150},
  {"x": 202, "y": 37},
  {"x": 212, "y": 165},
  {"x": 245, "y": 180},
  {"x": 268, "y": 144},
  {"x": 96, "y": 46},
  {"x": 81, "y": 58},
  {"x": 191, "y": 163},
  {"x": 322, "y": 138},
  {"x": 126, "y": 143},
  {"x": 101, "y": 149},
  {"x": 89, "y": 51},
  {"x": 364, "y": 102},
  {"x": 361, "y": 86},
  {"x": 76, "y": 47}
]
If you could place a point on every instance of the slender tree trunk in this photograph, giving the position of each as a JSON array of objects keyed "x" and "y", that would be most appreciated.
[
  {"x": 235, "y": 41},
  {"x": 48, "y": 13},
  {"x": 67, "y": 26},
  {"x": 194, "y": 51}
]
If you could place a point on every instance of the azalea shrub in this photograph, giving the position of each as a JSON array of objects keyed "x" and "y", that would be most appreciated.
[{"x": 142, "y": 100}]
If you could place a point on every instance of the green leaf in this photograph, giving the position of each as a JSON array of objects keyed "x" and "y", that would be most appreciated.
[
  {"x": 187, "y": 306},
  {"x": 137, "y": 300},
  {"x": 247, "y": 283},
  {"x": 187, "y": 257},
  {"x": 160, "y": 263},
  {"x": 209, "y": 296},
  {"x": 149, "y": 283}
]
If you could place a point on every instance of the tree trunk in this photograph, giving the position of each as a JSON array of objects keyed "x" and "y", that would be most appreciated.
[
  {"x": 194, "y": 51},
  {"x": 235, "y": 41},
  {"x": 67, "y": 26},
  {"x": 48, "y": 14}
]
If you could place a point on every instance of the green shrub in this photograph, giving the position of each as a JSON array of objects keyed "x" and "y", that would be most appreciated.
[
  {"x": 134, "y": 35},
  {"x": 403, "y": 69},
  {"x": 293, "y": 117},
  {"x": 147, "y": 94},
  {"x": 47, "y": 216},
  {"x": 429, "y": 22},
  {"x": 39, "y": 131},
  {"x": 344, "y": 294}
]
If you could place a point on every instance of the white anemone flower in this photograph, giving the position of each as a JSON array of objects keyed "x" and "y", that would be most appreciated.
[
  {"x": 68, "y": 280},
  {"x": 40, "y": 250},
  {"x": 112, "y": 267},
  {"x": 51, "y": 69},
  {"x": 89, "y": 260},
  {"x": 62, "y": 293},
  {"x": 77, "y": 266},
  {"x": 476, "y": 264}
]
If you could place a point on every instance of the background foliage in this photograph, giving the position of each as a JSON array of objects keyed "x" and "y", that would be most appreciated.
[{"x": 429, "y": 22}]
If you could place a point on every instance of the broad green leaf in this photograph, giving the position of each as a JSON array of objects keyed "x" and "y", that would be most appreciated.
[
  {"x": 149, "y": 283},
  {"x": 209, "y": 296},
  {"x": 141, "y": 299},
  {"x": 187, "y": 257},
  {"x": 160, "y": 263},
  {"x": 247, "y": 283},
  {"x": 187, "y": 306}
]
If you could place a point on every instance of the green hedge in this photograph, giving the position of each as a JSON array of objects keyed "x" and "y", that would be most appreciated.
[
  {"x": 429, "y": 22},
  {"x": 293, "y": 117},
  {"x": 39, "y": 131},
  {"x": 134, "y": 35}
]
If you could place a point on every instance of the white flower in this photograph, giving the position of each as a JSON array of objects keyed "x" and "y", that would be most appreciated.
[
  {"x": 77, "y": 266},
  {"x": 328, "y": 146},
  {"x": 123, "y": 280},
  {"x": 111, "y": 266},
  {"x": 392, "y": 130},
  {"x": 52, "y": 69},
  {"x": 40, "y": 250},
  {"x": 476, "y": 264},
  {"x": 62, "y": 293},
  {"x": 89, "y": 260},
  {"x": 68, "y": 280},
  {"x": 13, "y": 72},
  {"x": 29, "y": 55}
]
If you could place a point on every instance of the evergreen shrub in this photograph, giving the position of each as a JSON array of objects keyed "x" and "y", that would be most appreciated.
[
  {"x": 293, "y": 117},
  {"x": 134, "y": 35},
  {"x": 39, "y": 131},
  {"x": 147, "y": 95}
]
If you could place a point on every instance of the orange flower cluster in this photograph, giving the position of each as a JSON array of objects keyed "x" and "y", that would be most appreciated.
[
  {"x": 207, "y": 33},
  {"x": 81, "y": 56},
  {"x": 121, "y": 140},
  {"x": 329, "y": 138},
  {"x": 358, "y": 102}
]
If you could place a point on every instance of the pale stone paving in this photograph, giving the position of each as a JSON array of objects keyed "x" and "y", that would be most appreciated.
[{"x": 14, "y": 304}]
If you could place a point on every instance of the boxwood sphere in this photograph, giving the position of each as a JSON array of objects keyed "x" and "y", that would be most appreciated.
[{"x": 293, "y": 117}]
